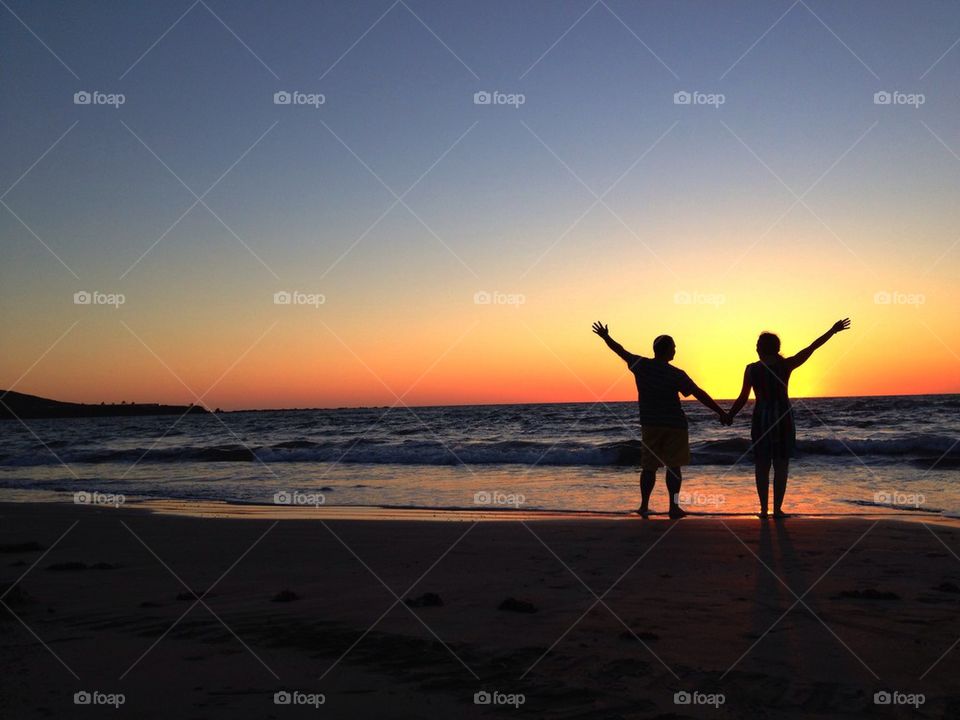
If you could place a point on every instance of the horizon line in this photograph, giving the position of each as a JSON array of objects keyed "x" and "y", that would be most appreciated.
[
  {"x": 570, "y": 402},
  {"x": 461, "y": 404}
]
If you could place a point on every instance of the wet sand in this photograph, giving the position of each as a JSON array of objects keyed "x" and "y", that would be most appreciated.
[{"x": 208, "y": 615}]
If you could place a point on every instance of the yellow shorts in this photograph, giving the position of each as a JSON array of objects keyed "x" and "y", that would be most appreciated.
[{"x": 668, "y": 446}]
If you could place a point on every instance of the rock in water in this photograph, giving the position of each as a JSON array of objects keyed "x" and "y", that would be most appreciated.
[{"x": 520, "y": 606}]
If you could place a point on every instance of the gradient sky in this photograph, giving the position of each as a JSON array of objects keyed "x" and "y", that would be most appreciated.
[{"x": 704, "y": 205}]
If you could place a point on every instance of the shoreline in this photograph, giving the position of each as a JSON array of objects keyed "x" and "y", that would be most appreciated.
[{"x": 240, "y": 510}]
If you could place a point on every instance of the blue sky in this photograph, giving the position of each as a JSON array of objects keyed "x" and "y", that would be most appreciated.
[{"x": 503, "y": 184}]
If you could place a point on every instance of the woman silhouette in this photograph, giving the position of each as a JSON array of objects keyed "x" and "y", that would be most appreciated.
[{"x": 773, "y": 434}]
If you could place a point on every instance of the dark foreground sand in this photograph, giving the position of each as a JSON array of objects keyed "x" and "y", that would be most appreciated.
[{"x": 700, "y": 605}]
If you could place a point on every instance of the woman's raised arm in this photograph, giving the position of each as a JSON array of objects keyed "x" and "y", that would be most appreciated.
[{"x": 801, "y": 357}]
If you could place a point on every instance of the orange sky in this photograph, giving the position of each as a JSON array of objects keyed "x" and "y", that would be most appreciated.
[
  {"x": 799, "y": 200},
  {"x": 436, "y": 346}
]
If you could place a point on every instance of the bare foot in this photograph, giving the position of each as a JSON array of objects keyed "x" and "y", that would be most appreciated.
[
  {"x": 677, "y": 513},
  {"x": 779, "y": 515},
  {"x": 643, "y": 512},
  {"x": 763, "y": 515}
]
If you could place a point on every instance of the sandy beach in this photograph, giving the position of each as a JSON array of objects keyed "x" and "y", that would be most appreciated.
[{"x": 578, "y": 618}]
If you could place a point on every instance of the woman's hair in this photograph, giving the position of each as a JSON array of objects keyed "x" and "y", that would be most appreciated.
[{"x": 768, "y": 344}]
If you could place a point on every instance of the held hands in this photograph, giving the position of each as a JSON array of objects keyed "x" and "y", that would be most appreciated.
[
  {"x": 601, "y": 330},
  {"x": 840, "y": 325},
  {"x": 726, "y": 418}
]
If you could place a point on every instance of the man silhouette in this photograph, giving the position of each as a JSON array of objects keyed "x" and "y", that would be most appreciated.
[{"x": 663, "y": 424}]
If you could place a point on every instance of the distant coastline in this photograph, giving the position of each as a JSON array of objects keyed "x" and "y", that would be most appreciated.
[
  {"x": 36, "y": 407},
  {"x": 30, "y": 407}
]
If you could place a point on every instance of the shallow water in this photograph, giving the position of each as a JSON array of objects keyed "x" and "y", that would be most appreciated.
[{"x": 856, "y": 455}]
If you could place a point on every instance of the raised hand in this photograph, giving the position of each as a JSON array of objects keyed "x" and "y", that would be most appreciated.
[
  {"x": 601, "y": 330},
  {"x": 841, "y": 325}
]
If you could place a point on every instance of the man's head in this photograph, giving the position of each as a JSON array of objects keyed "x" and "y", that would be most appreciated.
[
  {"x": 768, "y": 344},
  {"x": 664, "y": 348}
]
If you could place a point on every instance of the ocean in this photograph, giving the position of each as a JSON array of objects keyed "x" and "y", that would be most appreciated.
[{"x": 855, "y": 455}]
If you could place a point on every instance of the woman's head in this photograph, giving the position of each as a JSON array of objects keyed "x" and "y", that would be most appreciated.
[{"x": 768, "y": 344}]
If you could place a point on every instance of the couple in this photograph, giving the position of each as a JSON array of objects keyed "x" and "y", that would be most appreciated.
[{"x": 664, "y": 424}]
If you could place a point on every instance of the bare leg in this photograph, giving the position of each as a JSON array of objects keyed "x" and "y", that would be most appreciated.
[
  {"x": 674, "y": 480},
  {"x": 648, "y": 478},
  {"x": 780, "y": 470},
  {"x": 763, "y": 483}
]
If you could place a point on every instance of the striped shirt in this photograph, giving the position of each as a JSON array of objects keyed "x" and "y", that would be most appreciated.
[{"x": 658, "y": 385}]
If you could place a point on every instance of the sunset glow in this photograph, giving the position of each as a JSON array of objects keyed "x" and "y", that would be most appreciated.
[{"x": 798, "y": 201}]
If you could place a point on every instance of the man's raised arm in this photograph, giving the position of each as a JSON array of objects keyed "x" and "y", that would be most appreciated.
[{"x": 601, "y": 330}]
